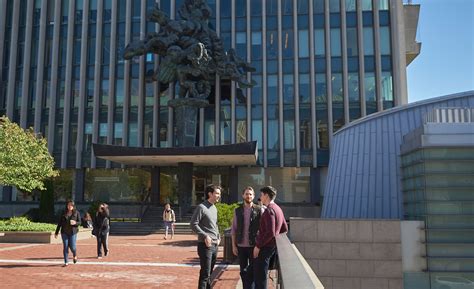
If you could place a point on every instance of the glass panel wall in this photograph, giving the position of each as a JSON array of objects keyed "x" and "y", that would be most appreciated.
[
  {"x": 292, "y": 184},
  {"x": 116, "y": 185}
]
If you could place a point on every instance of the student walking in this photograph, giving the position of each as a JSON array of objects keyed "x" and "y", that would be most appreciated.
[
  {"x": 101, "y": 229},
  {"x": 244, "y": 230},
  {"x": 204, "y": 223},
  {"x": 169, "y": 220},
  {"x": 68, "y": 224},
  {"x": 272, "y": 223}
]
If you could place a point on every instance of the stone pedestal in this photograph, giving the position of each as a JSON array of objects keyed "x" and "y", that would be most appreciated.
[{"x": 186, "y": 113}]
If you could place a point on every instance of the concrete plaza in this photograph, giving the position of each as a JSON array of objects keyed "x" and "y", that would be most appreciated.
[{"x": 133, "y": 262}]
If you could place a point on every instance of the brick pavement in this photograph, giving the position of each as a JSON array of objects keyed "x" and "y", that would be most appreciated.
[{"x": 133, "y": 262}]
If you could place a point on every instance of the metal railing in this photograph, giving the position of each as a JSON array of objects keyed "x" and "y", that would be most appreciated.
[
  {"x": 293, "y": 270},
  {"x": 450, "y": 115}
]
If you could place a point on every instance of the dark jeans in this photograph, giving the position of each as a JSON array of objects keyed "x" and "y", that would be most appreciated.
[
  {"x": 69, "y": 242},
  {"x": 246, "y": 267},
  {"x": 260, "y": 265},
  {"x": 207, "y": 258},
  {"x": 102, "y": 241}
]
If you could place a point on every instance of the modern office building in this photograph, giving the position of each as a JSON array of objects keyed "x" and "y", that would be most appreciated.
[
  {"x": 365, "y": 179},
  {"x": 320, "y": 64},
  {"x": 414, "y": 162}
]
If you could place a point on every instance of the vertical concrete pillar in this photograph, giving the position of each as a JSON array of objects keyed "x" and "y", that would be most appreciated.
[
  {"x": 185, "y": 186},
  {"x": 78, "y": 185},
  {"x": 314, "y": 186},
  {"x": 234, "y": 193},
  {"x": 155, "y": 186}
]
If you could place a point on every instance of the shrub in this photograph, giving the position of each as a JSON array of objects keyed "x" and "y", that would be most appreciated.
[
  {"x": 225, "y": 213},
  {"x": 22, "y": 224},
  {"x": 32, "y": 214}
]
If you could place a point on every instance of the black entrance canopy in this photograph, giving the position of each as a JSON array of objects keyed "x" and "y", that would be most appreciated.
[{"x": 240, "y": 154}]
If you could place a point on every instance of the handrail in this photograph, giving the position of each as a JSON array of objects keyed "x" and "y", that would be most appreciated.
[{"x": 293, "y": 270}]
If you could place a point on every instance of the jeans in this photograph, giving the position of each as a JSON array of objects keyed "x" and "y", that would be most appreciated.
[
  {"x": 246, "y": 267},
  {"x": 102, "y": 241},
  {"x": 260, "y": 265},
  {"x": 169, "y": 225},
  {"x": 69, "y": 242},
  {"x": 207, "y": 258}
]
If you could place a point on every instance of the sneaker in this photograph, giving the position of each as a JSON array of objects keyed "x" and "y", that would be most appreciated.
[
  {"x": 74, "y": 260},
  {"x": 65, "y": 264},
  {"x": 99, "y": 257}
]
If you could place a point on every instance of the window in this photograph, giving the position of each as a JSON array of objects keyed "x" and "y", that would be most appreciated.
[
  {"x": 303, "y": 45},
  {"x": 368, "y": 41},
  {"x": 350, "y": 5},
  {"x": 366, "y": 5},
  {"x": 335, "y": 42},
  {"x": 319, "y": 43},
  {"x": 352, "y": 49},
  {"x": 369, "y": 83},
  {"x": 383, "y": 5},
  {"x": 384, "y": 40}
]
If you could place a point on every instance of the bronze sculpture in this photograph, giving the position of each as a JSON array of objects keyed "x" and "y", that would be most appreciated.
[{"x": 192, "y": 53}]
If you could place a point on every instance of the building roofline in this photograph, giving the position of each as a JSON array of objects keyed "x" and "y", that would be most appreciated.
[{"x": 406, "y": 106}]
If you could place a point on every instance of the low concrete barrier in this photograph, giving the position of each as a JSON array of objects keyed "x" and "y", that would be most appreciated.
[
  {"x": 39, "y": 237},
  {"x": 294, "y": 271}
]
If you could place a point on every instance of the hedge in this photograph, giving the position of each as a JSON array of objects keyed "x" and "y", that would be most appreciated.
[{"x": 22, "y": 224}]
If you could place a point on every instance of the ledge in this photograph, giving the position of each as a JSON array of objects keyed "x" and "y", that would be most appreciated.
[{"x": 39, "y": 237}]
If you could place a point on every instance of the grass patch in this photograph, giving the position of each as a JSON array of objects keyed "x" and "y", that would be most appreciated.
[{"x": 22, "y": 224}]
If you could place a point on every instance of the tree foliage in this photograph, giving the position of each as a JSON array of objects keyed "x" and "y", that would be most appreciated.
[
  {"x": 24, "y": 158},
  {"x": 225, "y": 214}
]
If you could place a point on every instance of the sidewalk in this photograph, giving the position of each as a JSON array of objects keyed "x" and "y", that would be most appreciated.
[{"x": 133, "y": 262}]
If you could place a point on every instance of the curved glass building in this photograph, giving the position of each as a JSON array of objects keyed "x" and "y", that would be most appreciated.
[{"x": 320, "y": 64}]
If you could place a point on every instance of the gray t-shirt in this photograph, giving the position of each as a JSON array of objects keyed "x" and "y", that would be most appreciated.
[{"x": 204, "y": 221}]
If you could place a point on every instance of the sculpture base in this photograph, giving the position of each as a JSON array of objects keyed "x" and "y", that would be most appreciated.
[{"x": 186, "y": 113}]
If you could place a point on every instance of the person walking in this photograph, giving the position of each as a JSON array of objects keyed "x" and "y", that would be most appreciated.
[
  {"x": 272, "y": 223},
  {"x": 101, "y": 229},
  {"x": 169, "y": 218},
  {"x": 204, "y": 223},
  {"x": 68, "y": 224},
  {"x": 245, "y": 225},
  {"x": 87, "y": 221}
]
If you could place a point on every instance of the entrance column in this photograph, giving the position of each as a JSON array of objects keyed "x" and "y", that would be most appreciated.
[
  {"x": 155, "y": 186},
  {"x": 185, "y": 187}
]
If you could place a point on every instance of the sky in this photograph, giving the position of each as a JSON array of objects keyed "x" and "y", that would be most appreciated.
[{"x": 445, "y": 64}]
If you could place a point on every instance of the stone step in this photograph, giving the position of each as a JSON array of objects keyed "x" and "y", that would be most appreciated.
[{"x": 136, "y": 228}]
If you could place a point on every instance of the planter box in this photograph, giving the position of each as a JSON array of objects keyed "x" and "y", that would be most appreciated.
[{"x": 39, "y": 237}]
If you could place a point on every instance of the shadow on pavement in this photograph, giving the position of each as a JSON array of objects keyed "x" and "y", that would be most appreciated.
[
  {"x": 182, "y": 243},
  {"x": 11, "y": 266}
]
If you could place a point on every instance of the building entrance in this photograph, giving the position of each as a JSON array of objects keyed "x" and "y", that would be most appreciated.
[{"x": 204, "y": 176}]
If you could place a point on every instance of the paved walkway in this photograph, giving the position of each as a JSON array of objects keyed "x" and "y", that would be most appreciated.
[{"x": 133, "y": 262}]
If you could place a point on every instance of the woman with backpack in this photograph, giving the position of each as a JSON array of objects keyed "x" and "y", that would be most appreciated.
[
  {"x": 101, "y": 228},
  {"x": 169, "y": 219}
]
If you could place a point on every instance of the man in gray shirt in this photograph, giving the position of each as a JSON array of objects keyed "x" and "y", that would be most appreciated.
[{"x": 204, "y": 223}]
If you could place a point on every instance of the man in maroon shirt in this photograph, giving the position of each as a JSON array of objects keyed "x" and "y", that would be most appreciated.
[{"x": 272, "y": 223}]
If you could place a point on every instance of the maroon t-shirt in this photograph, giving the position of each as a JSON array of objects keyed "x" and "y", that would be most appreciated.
[{"x": 272, "y": 223}]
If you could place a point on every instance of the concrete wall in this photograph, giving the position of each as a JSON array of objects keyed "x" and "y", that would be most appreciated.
[{"x": 351, "y": 254}]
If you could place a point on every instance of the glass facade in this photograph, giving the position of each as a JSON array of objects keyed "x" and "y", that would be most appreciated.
[
  {"x": 437, "y": 188},
  {"x": 315, "y": 72}
]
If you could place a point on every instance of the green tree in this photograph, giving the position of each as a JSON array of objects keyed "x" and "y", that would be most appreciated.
[{"x": 24, "y": 158}]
